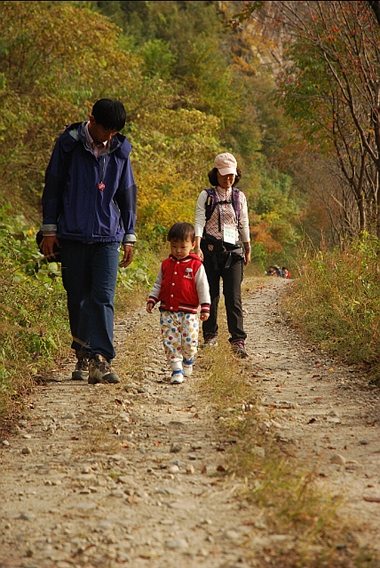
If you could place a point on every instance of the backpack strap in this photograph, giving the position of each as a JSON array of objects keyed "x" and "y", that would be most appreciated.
[
  {"x": 236, "y": 202},
  {"x": 211, "y": 202}
]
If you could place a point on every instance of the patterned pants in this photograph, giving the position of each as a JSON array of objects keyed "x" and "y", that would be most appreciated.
[{"x": 180, "y": 337}]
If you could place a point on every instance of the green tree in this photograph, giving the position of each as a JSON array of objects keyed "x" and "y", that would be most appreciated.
[{"x": 331, "y": 87}]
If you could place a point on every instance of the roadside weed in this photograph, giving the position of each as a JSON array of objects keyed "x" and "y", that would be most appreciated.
[{"x": 336, "y": 300}]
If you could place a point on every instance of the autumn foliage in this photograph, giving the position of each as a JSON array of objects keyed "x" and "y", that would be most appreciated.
[{"x": 192, "y": 86}]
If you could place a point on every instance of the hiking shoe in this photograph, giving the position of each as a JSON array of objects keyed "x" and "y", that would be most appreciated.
[
  {"x": 210, "y": 340},
  {"x": 100, "y": 371},
  {"x": 188, "y": 367},
  {"x": 177, "y": 377},
  {"x": 239, "y": 349},
  {"x": 81, "y": 368}
]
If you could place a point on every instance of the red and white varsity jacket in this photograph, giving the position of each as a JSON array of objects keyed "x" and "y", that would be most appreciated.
[{"x": 181, "y": 285}]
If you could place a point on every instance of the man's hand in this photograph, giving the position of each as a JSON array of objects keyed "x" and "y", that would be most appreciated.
[
  {"x": 128, "y": 256},
  {"x": 47, "y": 246}
]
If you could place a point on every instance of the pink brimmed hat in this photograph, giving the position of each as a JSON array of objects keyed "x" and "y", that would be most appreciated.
[{"x": 225, "y": 164}]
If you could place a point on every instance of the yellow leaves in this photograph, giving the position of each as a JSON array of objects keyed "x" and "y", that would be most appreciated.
[{"x": 163, "y": 199}]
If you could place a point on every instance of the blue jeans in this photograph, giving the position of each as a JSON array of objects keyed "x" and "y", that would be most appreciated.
[{"x": 89, "y": 274}]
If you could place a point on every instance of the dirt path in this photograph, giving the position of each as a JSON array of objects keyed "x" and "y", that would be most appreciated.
[{"x": 98, "y": 476}]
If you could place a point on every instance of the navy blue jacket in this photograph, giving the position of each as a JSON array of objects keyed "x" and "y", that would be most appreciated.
[{"x": 74, "y": 202}]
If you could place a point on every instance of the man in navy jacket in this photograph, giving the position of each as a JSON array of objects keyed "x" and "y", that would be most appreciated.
[{"x": 89, "y": 208}]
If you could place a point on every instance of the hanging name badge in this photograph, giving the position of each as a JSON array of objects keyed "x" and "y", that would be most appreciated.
[
  {"x": 101, "y": 186},
  {"x": 229, "y": 234}
]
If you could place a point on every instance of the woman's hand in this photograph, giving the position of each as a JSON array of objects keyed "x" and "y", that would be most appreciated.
[
  {"x": 204, "y": 316},
  {"x": 247, "y": 253},
  {"x": 197, "y": 248},
  {"x": 198, "y": 252}
]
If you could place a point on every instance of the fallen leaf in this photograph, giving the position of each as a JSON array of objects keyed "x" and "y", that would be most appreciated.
[
  {"x": 132, "y": 500},
  {"x": 311, "y": 421},
  {"x": 372, "y": 499}
]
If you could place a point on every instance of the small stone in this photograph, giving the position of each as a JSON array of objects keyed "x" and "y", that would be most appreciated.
[
  {"x": 5, "y": 443},
  {"x": 117, "y": 493},
  {"x": 232, "y": 535},
  {"x": 27, "y": 516},
  {"x": 174, "y": 469},
  {"x": 175, "y": 448},
  {"x": 353, "y": 466},
  {"x": 363, "y": 442},
  {"x": 258, "y": 451},
  {"x": 338, "y": 459},
  {"x": 122, "y": 557},
  {"x": 190, "y": 469},
  {"x": 333, "y": 419},
  {"x": 69, "y": 416},
  {"x": 176, "y": 543},
  {"x": 26, "y": 451},
  {"x": 128, "y": 480}
]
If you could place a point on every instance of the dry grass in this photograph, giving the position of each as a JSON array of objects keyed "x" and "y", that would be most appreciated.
[
  {"x": 285, "y": 491},
  {"x": 336, "y": 302}
]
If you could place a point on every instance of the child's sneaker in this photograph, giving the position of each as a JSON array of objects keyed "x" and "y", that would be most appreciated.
[
  {"x": 177, "y": 377},
  {"x": 188, "y": 367}
]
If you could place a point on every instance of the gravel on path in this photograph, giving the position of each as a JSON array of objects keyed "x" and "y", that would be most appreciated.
[{"x": 105, "y": 476}]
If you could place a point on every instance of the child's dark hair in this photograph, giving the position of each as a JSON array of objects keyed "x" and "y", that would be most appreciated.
[
  {"x": 213, "y": 177},
  {"x": 110, "y": 114},
  {"x": 181, "y": 232}
]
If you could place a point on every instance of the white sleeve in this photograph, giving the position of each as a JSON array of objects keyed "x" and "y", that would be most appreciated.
[
  {"x": 200, "y": 214},
  {"x": 244, "y": 220},
  {"x": 155, "y": 291},
  {"x": 202, "y": 286}
]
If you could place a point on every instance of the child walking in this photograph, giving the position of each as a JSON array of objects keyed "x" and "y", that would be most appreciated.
[{"x": 181, "y": 286}]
